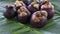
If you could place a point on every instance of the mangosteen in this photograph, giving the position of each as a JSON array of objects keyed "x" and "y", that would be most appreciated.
[
  {"x": 10, "y": 12},
  {"x": 42, "y": 2},
  {"x": 39, "y": 19},
  {"x": 23, "y": 14},
  {"x": 18, "y": 4},
  {"x": 33, "y": 7},
  {"x": 49, "y": 8}
]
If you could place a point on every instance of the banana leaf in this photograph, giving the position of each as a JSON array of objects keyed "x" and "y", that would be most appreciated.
[{"x": 15, "y": 27}]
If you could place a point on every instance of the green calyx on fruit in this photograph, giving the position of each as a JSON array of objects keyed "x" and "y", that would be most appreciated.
[
  {"x": 36, "y": 6},
  {"x": 35, "y": 2},
  {"x": 41, "y": 13},
  {"x": 47, "y": 5},
  {"x": 23, "y": 14},
  {"x": 18, "y": 3},
  {"x": 38, "y": 14},
  {"x": 22, "y": 11},
  {"x": 36, "y": 19},
  {"x": 44, "y": 13}
]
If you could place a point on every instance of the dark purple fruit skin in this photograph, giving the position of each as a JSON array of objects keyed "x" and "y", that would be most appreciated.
[
  {"x": 9, "y": 13},
  {"x": 27, "y": 2},
  {"x": 24, "y": 19},
  {"x": 21, "y": 3},
  {"x": 17, "y": 7},
  {"x": 50, "y": 12},
  {"x": 39, "y": 24},
  {"x": 41, "y": 3},
  {"x": 32, "y": 9}
]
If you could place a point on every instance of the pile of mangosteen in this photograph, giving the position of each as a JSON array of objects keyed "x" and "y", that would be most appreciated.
[{"x": 35, "y": 12}]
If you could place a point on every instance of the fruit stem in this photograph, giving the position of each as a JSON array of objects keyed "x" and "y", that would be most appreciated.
[
  {"x": 35, "y": 2},
  {"x": 37, "y": 14}
]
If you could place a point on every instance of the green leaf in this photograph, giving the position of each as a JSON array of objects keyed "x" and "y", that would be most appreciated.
[{"x": 15, "y": 27}]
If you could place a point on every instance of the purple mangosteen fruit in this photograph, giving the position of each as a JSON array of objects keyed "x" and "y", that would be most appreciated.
[
  {"x": 23, "y": 14},
  {"x": 39, "y": 19},
  {"x": 33, "y": 7},
  {"x": 42, "y": 2},
  {"x": 49, "y": 8},
  {"x": 10, "y": 11}
]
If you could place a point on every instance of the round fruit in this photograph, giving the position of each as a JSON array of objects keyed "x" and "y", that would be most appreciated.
[
  {"x": 39, "y": 18},
  {"x": 33, "y": 7},
  {"x": 18, "y": 4},
  {"x": 49, "y": 8},
  {"x": 42, "y": 2},
  {"x": 10, "y": 11},
  {"x": 23, "y": 14}
]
